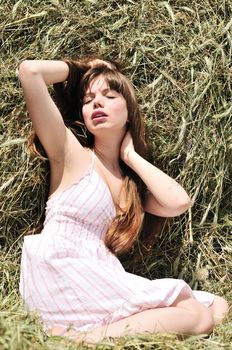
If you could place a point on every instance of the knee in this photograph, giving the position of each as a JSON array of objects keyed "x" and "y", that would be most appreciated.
[
  {"x": 210, "y": 317},
  {"x": 205, "y": 322},
  {"x": 202, "y": 316}
]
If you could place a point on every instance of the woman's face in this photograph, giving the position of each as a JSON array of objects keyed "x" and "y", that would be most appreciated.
[{"x": 103, "y": 108}]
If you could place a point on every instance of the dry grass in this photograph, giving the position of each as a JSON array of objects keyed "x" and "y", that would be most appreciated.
[{"x": 178, "y": 55}]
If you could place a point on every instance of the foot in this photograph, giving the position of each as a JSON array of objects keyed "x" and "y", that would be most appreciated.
[{"x": 92, "y": 337}]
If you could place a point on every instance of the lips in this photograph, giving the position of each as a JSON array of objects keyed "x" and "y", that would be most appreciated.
[{"x": 98, "y": 114}]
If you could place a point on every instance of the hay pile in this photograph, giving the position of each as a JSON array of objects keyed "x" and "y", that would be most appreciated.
[{"x": 178, "y": 55}]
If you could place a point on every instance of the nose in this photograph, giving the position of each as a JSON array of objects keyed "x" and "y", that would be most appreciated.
[{"x": 98, "y": 101}]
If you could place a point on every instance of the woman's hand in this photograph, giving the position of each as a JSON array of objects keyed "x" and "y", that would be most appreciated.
[
  {"x": 165, "y": 197},
  {"x": 127, "y": 146}
]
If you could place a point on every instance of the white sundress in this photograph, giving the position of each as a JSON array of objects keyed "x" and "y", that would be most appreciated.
[{"x": 69, "y": 276}]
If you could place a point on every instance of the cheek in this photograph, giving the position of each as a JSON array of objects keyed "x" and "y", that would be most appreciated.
[
  {"x": 84, "y": 113},
  {"x": 123, "y": 111}
]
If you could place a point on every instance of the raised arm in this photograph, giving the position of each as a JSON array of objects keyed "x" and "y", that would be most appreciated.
[
  {"x": 165, "y": 196},
  {"x": 47, "y": 121}
]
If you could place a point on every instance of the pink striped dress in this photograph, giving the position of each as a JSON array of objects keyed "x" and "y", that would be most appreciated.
[{"x": 69, "y": 276}]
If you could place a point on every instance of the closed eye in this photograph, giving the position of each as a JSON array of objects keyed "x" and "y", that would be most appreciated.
[
  {"x": 90, "y": 97},
  {"x": 86, "y": 101},
  {"x": 110, "y": 96}
]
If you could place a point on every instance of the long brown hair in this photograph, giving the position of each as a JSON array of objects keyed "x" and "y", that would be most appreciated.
[{"x": 127, "y": 226}]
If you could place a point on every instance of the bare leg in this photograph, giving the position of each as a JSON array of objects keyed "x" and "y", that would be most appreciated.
[{"x": 185, "y": 317}]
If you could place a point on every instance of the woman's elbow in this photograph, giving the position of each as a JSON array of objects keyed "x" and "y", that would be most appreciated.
[
  {"x": 183, "y": 204},
  {"x": 26, "y": 68}
]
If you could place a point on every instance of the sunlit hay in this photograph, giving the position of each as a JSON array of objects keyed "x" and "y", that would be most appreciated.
[{"x": 178, "y": 56}]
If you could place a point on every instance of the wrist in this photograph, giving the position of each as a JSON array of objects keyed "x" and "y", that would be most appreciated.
[{"x": 129, "y": 156}]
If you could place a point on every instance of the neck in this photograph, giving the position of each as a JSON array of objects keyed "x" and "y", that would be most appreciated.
[{"x": 108, "y": 151}]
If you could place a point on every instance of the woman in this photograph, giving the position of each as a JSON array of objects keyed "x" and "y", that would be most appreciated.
[{"x": 70, "y": 273}]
